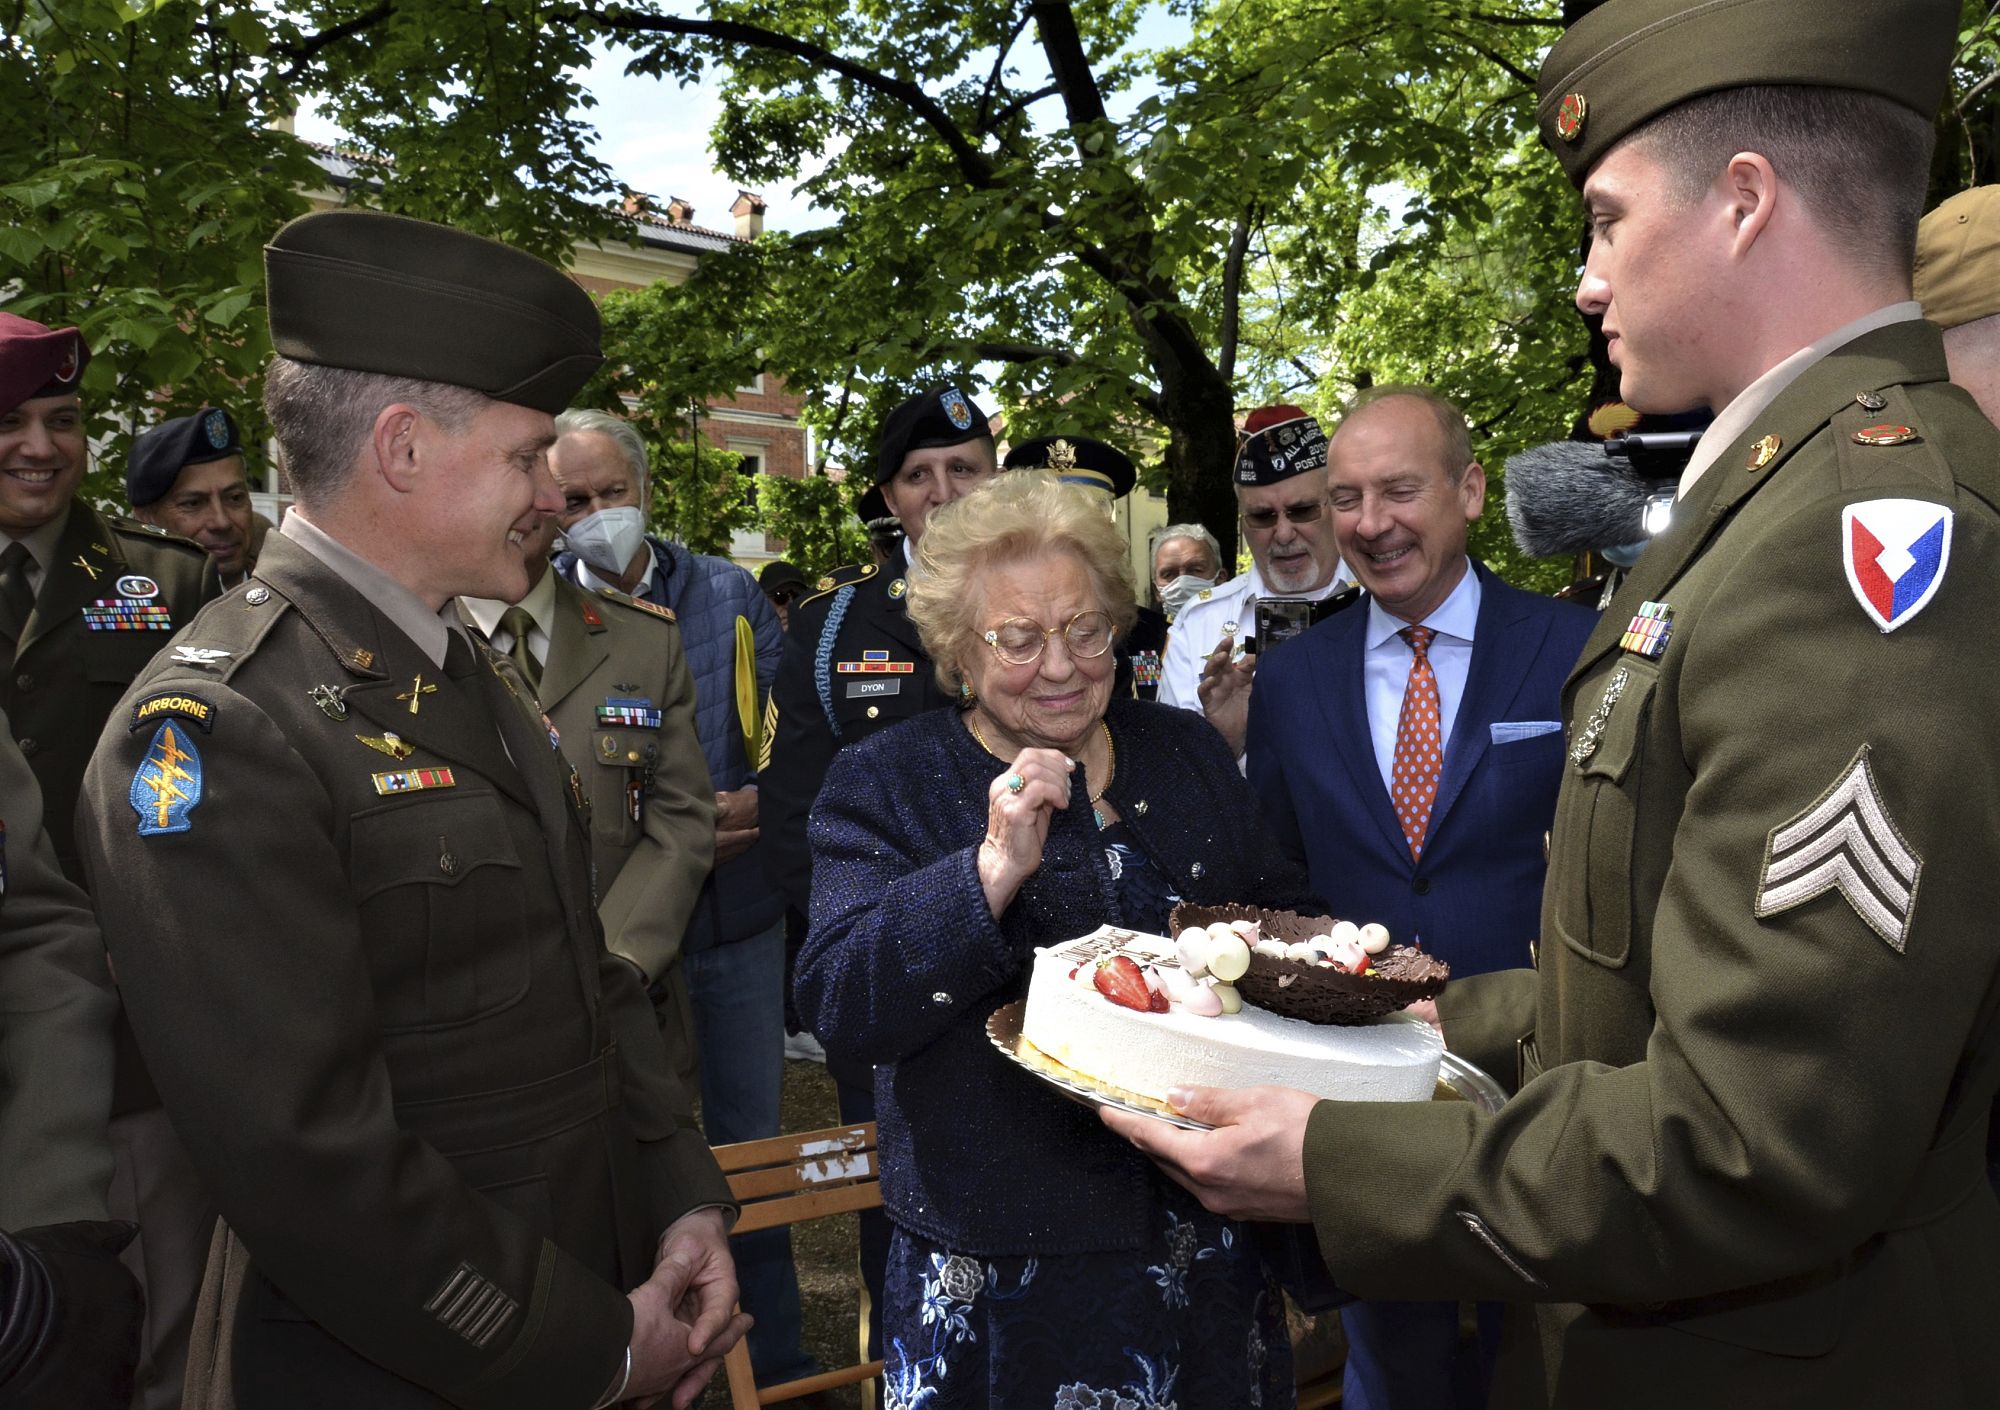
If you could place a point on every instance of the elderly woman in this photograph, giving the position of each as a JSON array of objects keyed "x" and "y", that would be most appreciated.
[{"x": 1037, "y": 1260}]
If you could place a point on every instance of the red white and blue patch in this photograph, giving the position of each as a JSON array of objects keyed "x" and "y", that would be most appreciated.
[{"x": 1895, "y": 552}]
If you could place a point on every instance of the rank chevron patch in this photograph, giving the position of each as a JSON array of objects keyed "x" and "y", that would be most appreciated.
[{"x": 1844, "y": 842}]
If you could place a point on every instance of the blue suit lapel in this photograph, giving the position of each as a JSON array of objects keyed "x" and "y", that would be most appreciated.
[
  {"x": 1344, "y": 711},
  {"x": 1505, "y": 644}
]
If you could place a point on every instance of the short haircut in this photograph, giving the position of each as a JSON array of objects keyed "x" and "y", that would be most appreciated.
[
  {"x": 1013, "y": 518},
  {"x": 1197, "y": 532},
  {"x": 1450, "y": 420},
  {"x": 1859, "y": 162},
  {"x": 623, "y": 434},
  {"x": 322, "y": 417}
]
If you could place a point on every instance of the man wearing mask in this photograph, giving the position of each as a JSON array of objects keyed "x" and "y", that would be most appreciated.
[
  {"x": 186, "y": 476},
  {"x": 733, "y": 955},
  {"x": 1187, "y": 565}
]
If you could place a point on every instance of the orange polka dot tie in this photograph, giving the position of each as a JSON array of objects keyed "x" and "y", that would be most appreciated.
[{"x": 1413, "y": 778}]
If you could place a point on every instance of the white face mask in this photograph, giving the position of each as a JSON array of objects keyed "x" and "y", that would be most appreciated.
[
  {"x": 609, "y": 539},
  {"x": 1181, "y": 591}
]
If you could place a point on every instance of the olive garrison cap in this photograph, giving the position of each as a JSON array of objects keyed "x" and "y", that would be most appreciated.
[
  {"x": 159, "y": 456},
  {"x": 38, "y": 361},
  {"x": 942, "y": 416},
  {"x": 1078, "y": 460},
  {"x": 1958, "y": 258},
  {"x": 1628, "y": 61},
  {"x": 382, "y": 293}
]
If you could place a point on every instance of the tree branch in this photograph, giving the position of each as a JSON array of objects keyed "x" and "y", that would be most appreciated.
[
  {"x": 1232, "y": 292},
  {"x": 1056, "y": 24},
  {"x": 992, "y": 88},
  {"x": 1002, "y": 351},
  {"x": 307, "y": 50}
]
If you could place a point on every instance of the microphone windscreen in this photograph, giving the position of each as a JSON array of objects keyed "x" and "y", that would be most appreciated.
[{"x": 1570, "y": 497}]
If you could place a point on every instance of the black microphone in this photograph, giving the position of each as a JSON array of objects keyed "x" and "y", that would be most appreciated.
[{"x": 1572, "y": 497}]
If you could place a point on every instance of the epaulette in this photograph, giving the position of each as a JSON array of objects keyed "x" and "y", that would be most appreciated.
[
  {"x": 638, "y": 604},
  {"x": 150, "y": 534},
  {"x": 1880, "y": 442},
  {"x": 843, "y": 576}
]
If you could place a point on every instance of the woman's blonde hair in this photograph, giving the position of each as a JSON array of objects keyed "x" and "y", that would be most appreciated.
[{"x": 1022, "y": 514}]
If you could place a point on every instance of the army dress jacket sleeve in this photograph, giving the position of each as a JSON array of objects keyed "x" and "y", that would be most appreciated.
[
  {"x": 617, "y": 687},
  {"x": 1768, "y": 1028},
  {"x": 56, "y": 1010},
  {"x": 348, "y": 900}
]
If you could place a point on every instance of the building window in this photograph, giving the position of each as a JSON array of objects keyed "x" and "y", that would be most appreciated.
[
  {"x": 749, "y": 465},
  {"x": 755, "y": 386}
]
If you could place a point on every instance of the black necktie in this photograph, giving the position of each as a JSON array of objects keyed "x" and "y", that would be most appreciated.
[{"x": 17, "y": 594}]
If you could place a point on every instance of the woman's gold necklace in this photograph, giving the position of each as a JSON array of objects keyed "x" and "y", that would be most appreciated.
[{"x": 1110, "y": 762}]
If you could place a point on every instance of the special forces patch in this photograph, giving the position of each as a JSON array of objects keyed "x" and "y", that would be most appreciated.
[
  {"x": 1845, "y": 842},
  {"x": 1895, "y": 552},
  {"x": 168, "y": 784}
]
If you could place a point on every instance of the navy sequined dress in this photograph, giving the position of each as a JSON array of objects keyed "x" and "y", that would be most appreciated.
[{"x": 1037, "y": 1260}]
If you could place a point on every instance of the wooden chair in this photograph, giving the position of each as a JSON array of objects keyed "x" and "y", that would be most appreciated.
[{"x": 786, "y": 1180}]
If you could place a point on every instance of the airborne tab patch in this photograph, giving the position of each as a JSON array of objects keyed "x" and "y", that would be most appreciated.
[
  {"x": 191, "y": 708},
  {"x": 168, "y": 783}
]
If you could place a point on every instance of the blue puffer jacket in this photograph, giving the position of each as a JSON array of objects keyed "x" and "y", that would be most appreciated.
[{"x": 707, "y": 596}]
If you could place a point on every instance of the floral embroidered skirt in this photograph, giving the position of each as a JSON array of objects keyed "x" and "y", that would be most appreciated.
[{"x": 1190, "y": 1322}]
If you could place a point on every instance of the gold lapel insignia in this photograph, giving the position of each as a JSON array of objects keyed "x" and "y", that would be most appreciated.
[
  {"x": 1764, "y": 452},
  {"x": 362, "y": 657},
  {"x": 390, "y": 744},
  {"x": 898, "y": 588},
  {"x": 417, "y": 691},
  {"x": 87, "y": 566}
]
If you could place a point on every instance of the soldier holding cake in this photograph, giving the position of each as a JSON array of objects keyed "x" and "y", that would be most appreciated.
[
  {"x": 1746, "y": 1163},
  {"x": 1035, "y": 1254}
]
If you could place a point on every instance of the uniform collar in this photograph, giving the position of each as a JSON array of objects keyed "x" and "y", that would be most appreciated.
[
  {"x": 539, "y": 604},
  {"x": 41, "y": 542},
  {"x": 404, "y": 609},
  {"x": 1754, "y": 400}
]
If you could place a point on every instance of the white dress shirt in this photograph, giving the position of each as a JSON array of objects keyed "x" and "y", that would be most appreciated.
[
  {"x": 591, "y": 580},
  {"x": 1385, "y": 665}
]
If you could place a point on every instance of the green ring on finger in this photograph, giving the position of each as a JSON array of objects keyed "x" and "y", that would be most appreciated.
[{"x": 1015, "y": 783}]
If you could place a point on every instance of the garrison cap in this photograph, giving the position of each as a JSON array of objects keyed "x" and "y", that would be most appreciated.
[
  {"x": 159, "y": 456},
  {"x": 1958, "y": 258},
  {"x": 406, "y": 298},
  {"x": 1628, "y": 61},
  {"x": 1278, "y": 443},
  {"x": 38, "y": 361},
  {"x": 942, "y": 416},
  {"x": 1077, "y": 460}
]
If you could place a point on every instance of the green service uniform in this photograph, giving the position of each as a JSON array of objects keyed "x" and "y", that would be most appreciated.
[
  {"x": 853, "y": 664},
  {"x": 56, "y": 1008},
  {"x": 617, "y": 686},
  {"x": 353, "y": 920},
  {"x": 113, "y": 592},
  {"x": 1747, "y": 1163}
]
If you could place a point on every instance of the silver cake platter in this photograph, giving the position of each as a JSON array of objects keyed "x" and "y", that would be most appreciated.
[{"x": 1458, "y": 1080}]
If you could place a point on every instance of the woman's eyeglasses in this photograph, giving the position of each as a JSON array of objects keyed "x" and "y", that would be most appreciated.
[{"x": 1020, "y": 642}]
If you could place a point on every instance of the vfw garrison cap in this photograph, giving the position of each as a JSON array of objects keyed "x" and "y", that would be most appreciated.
[
  {"x": 159, "y": 456},
  {"x": 1627, "y": 61},
  {"x": 1077, "y": 460},
  {"x": 942, "y": 416},
  {"x": 1278, "y": 443},
  {"x": 38, "y": 361},
  {"x": 406, "y": 298},
  {"x": 1958, "y": 258}
]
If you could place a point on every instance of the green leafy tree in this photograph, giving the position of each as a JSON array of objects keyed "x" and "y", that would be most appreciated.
[{"x": 815, "y": 516}]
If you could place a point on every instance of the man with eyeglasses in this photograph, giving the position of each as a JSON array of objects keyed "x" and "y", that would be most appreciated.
[{"x": 1280, "y": 478}]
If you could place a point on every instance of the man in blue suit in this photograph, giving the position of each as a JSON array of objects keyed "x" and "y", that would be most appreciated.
[{"x": 1408, "y": 754}]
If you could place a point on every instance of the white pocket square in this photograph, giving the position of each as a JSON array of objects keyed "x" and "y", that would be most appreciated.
[{"x": 1511, "y": 731}]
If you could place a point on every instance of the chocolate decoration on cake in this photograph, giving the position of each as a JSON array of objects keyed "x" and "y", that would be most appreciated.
[{"x": 1319, "y": 993}]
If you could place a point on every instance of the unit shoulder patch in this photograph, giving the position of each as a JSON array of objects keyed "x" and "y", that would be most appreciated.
[
  {"x": 167, "y": 785},
  {"x": 1844, "y": 841},
  {"x": 1895, "y": 552}
]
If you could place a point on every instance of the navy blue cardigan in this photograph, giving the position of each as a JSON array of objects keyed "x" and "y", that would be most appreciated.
[{"x": 904, "y": 963}]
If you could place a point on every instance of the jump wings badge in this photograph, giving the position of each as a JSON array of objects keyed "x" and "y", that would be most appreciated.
[
  {"x": 168, "y": 783},
  {"x": 1844, "y": 842},
  {"x": 1895, "y": 552}
]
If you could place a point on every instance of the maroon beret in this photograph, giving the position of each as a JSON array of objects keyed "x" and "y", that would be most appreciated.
[{"x": 36, "y": 361}]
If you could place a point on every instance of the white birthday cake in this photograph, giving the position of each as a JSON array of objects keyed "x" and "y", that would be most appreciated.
[{"x": 1139, "y": 1012}]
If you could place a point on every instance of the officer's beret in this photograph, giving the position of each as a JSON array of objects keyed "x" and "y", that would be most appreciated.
[
  {"x": 159, "y": 456},
  {"x": 379, "y": 293},
  {"x": 1958, "y": 258},
  {"x": 38, "y": 361},
  {"x": 942, "y": 416},
  {"x": 1077, "y": 460},
  {"x": 1627, "y": 61},
  {"x": 1278, "y": 443}
]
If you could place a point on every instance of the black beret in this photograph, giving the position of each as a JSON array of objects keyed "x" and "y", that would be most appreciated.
[
  {"x": 159, "y": 456},
  {"x": 1628, "y": 61},
  {"x": 874, "y": 508},
  {"x": 380, "y": 293},
  {"x": 38, "y": 361},
  {"x": 1077, "y": 460},
  {"x": 780, "y": 574},
  {"x": 942, "y": 416},
  {"x": 1278, "y": 443}
]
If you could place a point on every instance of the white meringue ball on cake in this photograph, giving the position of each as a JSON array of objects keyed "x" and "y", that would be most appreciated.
[
  {"x": 1374, "y": 938},
  {"x": 1230, "y": 960},
  {"x": 1193, "y": 949}
]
